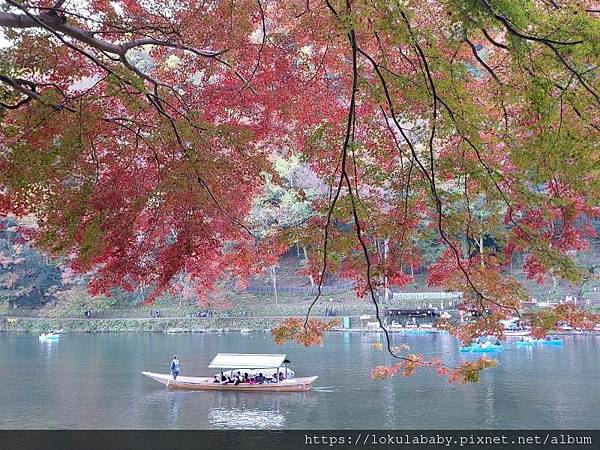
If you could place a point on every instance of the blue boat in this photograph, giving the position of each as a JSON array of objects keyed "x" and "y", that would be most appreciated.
[
  {"x": 553, "y": 342},
  {"x": 481, "y": 348},
  {"x": 529, "y": 342}
]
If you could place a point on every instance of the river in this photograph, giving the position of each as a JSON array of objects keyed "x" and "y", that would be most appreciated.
[{"x": 93, "y": 381}]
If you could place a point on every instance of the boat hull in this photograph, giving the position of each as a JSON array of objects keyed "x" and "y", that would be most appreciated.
[
  {"x": 52, "y": 337},
  {"x": 206, "y": 384},
  {"x": 508, "y": 333},
  {"x": 529, "y": 343},
  {"x": 481, "y": 349}
]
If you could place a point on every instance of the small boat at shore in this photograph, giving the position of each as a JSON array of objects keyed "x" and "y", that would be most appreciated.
[
  {"x": 236, "y": 362},
  {"x": 550, "y": 340},
  {"x": 529, "y": 342},
  {"x": 49, "y": 337},
  {"x": 425, "y": 328},
  {"x": 483, "y": 347},
  {"x": 517, "y": 333}
]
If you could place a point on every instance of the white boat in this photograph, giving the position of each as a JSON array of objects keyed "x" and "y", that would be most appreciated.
[
  {"x": 245, "y": 331},
  {"x": 243, "y": 363},
  {"x": 516, "y": 332},
  {"x": 49, "y": 337}
]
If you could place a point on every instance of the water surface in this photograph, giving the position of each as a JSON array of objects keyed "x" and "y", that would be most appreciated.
[{"x": 93, "y": 381}]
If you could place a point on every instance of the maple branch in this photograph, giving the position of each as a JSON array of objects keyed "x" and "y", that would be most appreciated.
[
  {"x": 56, "y": 25},
  {"x": 59, "y": 27},
  {"x": 27, "y": 88},
  {"x": 431, "y": 178},
  {"x": 262, "y": 45},
  {"x": 51, "y": 20},
  {"x": 481, "y": 61},
  {"x": 350, "y": 126},
  {"x": 550, "y": 43},
  {"x": 510, "y": 27},
  {"x": 493, "y": 41}
]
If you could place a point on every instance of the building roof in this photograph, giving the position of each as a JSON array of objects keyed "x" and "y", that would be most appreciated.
[{"x": 246, "y": 361}]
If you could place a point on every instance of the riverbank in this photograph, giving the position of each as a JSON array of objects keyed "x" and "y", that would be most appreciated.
[
  {"x": 201, "y": 325},
  {"x": 253, "y": 313},
  {"x": 170, "y": 325}
]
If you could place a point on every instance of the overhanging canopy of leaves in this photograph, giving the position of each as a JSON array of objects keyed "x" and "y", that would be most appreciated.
[{"x": 139, "y": 133}]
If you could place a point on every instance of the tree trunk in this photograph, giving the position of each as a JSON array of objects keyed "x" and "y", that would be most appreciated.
[
  {"x": 274, "y": 277},
  {"x": 310, "y": 277},
  {"x": 481, "y": 249}
]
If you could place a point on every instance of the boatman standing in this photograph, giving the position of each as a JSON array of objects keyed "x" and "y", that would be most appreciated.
[{"x": 175, "y": 367}]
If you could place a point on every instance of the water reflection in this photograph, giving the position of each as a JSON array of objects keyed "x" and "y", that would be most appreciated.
[
  {"x": 48, "y": 347},
  {"x": 268, "y": 400},
  {"x": 174, "y": 407},
  {"x": 245, "y": 418},
  {"x": 228, "y": 410},
  {"x": 255, "y": 411}
]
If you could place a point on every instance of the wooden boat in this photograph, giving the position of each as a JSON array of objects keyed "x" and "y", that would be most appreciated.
[
  {"x": 299, "y": 384},
  {"x": 239, "y": 362}
]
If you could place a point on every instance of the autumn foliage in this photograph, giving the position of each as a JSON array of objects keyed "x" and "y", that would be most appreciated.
[
  {"x": 303, "y": 332},
  {"x": 466, "y": 372}
]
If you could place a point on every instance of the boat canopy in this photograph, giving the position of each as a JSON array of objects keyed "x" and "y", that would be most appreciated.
[{"x": 246, "y": 361}]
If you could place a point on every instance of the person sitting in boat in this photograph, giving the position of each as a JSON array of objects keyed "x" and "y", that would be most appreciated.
[
  {"x": 246, "y": 378},
  {"x": 281, "y": 376},
  {"x": 175, "y": 367},
  {"x": 216, "y": 380},
  {"x": 260, "y": 379},
  {"x": 236, "y": 380}
]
